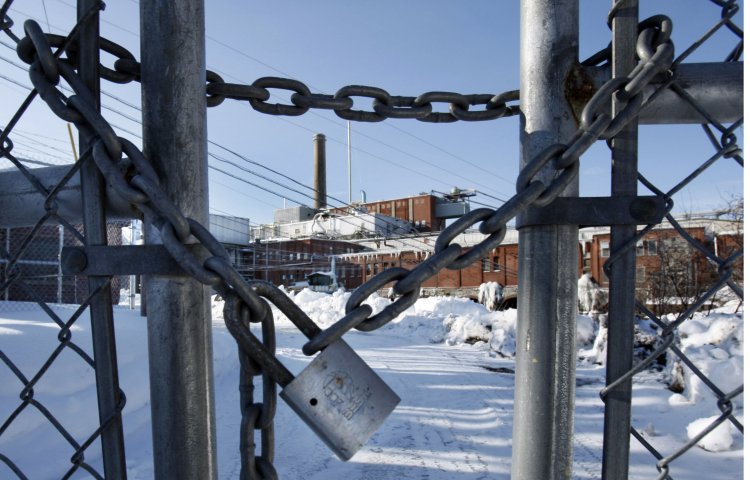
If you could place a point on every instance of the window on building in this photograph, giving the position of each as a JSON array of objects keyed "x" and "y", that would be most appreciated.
[
  {"x": 604, "y": 249},
  {"x": 496, "y": 263},
  {"x": 486, "y": 264},
  {"x": 368, "y": 269},
  {"x": 646, "y": 247},
  {"x": 299, "y": 255},
  {"x": 375, "y": 268}
]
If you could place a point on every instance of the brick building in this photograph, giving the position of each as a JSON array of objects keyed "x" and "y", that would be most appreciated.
[
  {"x": 361, "y": 257},
  {"x": 720, "y": 237},
  {"x": 425, "y": 212}
]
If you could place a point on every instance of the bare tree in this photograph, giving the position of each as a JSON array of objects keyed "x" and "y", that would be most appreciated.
[
  {"x": 680, "y": 278},
  {"x": 734, "y": 212}
]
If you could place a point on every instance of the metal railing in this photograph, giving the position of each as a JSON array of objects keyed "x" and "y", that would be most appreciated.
[{"x": 175, "y": 209}]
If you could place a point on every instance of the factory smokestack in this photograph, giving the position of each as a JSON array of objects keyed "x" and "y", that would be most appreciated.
[{"x": 319, "y": 171}]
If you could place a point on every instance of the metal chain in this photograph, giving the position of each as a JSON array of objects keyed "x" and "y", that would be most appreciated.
[
  {"x": 384, "y": 105},
  {"x": 134, "y": 179},
  {"x": 143, "y": 191},
  {"x": 255, "y": 416},
  {"x": 564, "y": 158}
]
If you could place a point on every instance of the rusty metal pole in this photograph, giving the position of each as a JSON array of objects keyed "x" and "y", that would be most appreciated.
[
  {"x": 173, "y": 77},
  {"x": 548, "y": 255}
]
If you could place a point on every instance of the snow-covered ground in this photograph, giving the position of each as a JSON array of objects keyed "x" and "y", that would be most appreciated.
[{"x": 450, "y": 361}]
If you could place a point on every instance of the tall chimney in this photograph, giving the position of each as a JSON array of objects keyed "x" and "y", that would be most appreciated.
[{"x": 319, "y": 171}]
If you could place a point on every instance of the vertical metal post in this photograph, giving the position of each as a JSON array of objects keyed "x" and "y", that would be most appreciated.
[
  {"x": 95, "y": 227},
  {"x": 622, "y": 277},
  {"x": 548, "y": 255},
  {"x": 173, "y": 77}
]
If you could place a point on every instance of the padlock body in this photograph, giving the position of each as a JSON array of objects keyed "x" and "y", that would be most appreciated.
[{"x": 341, "y": 398}]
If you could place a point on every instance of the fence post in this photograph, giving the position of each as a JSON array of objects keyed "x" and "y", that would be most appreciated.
[
  {"x": 622, "y": 276},
  {"x": 95, "y": 228},
  {"x": 548, "y": 255},
  {"x": 173, "y": 77}
]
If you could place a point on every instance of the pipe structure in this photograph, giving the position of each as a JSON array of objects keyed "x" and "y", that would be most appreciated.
[
  {"x": 173, "y": 77},
  {"x": 717, "y": 87},
  {"x": 548, "y": 255}
]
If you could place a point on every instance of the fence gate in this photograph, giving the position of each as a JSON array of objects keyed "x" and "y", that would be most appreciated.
[{"x": 566, "y": 105}]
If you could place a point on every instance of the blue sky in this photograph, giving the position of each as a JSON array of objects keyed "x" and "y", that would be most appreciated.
[{"x": 406, "y": 48}]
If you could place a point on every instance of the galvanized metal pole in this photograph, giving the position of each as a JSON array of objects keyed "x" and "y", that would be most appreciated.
[
  {"x": 622, "y": 277},
  {"x": 548, "y": 255},
  {"x": 173, "y": 76},
  {"x": 95, "y": 229}
]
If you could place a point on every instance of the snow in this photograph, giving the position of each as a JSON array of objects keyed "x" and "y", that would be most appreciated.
[
  {"x": 449, "y": 359},
  {"x": 491, "y": 295},
  {"x": 717, "y": 440}
]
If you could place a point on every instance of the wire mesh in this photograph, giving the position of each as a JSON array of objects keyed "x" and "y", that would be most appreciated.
[
  {"x": 696, "y": 268},
  {"x": 31, "y": 279},
  {"x": 31, "y": 256},
  {"x": 30, "y": 275}
]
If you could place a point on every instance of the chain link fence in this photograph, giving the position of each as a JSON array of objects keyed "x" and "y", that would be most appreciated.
[
  {"x": 31, "y": 264},
  {"x": 724, "y": 273},
  {"x": 31, "y": 269}
]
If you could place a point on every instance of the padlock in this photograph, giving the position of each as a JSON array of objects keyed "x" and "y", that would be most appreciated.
[
  {"x": 337, "y": 395},
  {"x": 341, "y": 398}
]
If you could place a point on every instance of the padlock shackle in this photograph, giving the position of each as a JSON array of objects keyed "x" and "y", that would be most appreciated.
[{"x": 250, "y": 344}]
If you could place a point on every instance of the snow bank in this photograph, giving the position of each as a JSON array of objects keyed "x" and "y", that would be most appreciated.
[
  {"x": 713, "y": 341},
  {"x": 449, "y": 320},
  {"x": 715, "y": 344},
  {"x": 720, "y": 439}
]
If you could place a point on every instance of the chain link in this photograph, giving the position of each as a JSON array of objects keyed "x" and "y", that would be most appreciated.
[
  {"x": 143, "y": 190},
  {"x": 384, "y": 106},
  {"x": 134, "y": 180},
  {"x": 255, "y": 416}
]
